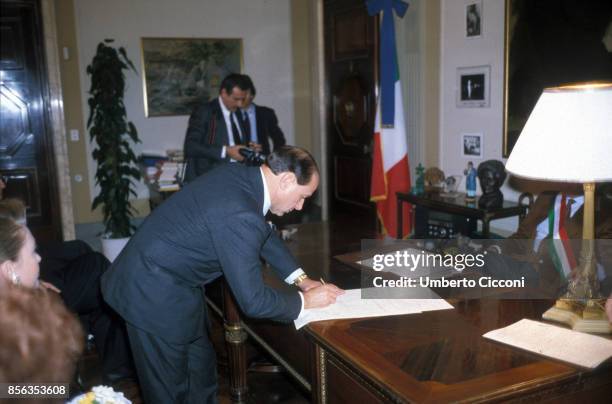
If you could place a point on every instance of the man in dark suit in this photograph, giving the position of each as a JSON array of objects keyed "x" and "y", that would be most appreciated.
[
  {"x": 213, "y": 135},
  {"x": 214, "y": 226},
  {"x": 259, "y": 123}
]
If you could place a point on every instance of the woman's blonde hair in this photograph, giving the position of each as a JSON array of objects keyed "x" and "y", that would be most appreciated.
[
  {"x": 13, "y": 209},
  {"x": 12, "y": 239}
]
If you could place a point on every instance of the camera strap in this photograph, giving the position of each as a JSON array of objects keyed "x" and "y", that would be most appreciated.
[{"x": 212, "y": 128}]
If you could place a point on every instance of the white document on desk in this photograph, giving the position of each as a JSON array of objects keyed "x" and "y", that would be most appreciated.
[
  {"x": 351, "y": 305},
  {"x": 555, "y": 342}
]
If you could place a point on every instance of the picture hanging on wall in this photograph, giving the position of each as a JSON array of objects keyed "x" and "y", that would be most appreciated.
[
  {"x": 473, "y": 86},
  {"x": 471, "y": 144},
  {"x": 473, "y": 19},
  {"x": 179, "y": 73},
  {"x": 547, "y": 44}
]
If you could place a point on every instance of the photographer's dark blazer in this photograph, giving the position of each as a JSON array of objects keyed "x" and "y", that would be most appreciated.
[
  {"x": 205, "y": 138},
  {"x": 268, "y": 129},
  {"x": 212, "y": 227}
]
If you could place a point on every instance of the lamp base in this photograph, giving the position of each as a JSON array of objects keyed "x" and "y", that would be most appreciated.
[{"x": 590, "y": 317}]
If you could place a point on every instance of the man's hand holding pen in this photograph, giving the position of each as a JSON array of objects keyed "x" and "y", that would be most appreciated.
[{"x": 319, "y": 294}]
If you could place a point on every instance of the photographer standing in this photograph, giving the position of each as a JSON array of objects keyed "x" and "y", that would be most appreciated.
[{"x": 214, "y": 135}]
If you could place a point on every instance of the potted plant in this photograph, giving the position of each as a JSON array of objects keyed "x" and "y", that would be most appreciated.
[{"x": 112, "y": 132}]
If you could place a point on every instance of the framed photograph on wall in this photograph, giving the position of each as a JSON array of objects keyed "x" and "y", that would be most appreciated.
[
  {"x": 548, "y": 44},
  {"x": 473, "y": 86},
  {"x": 473, "y": 19},
  {"x": 178, "y": 73},
  {"x": 471, "y": 145}
]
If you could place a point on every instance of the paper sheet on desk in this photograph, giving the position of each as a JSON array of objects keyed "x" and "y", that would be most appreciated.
[
  {"x": 555, "y": 342},
  {"x": 351, "y": 305}
]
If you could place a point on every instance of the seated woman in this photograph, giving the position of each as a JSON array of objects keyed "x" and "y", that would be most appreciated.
[
  {"x": 40, "y": 341},
  {"x": 18, "y": 257},
  {"x": 73, "y": 270}
]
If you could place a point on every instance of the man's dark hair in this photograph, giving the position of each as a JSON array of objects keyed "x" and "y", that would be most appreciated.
[
  {"x": 250, "y": 85},
  {"x": 295, "y": 160},
  {"x": 233, "y": 80}
]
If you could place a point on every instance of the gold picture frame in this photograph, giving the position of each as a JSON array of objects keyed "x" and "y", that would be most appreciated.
[{"x": 179, "y": 73}]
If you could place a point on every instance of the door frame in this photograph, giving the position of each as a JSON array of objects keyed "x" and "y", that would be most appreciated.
[
  {"x": 55, "y": 118},
  {"x": 319, "y": 102}
]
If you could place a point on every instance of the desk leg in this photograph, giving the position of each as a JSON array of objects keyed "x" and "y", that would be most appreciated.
[
  {"x": 485, "y": 228},
  {"x": 235, "y": 336}
]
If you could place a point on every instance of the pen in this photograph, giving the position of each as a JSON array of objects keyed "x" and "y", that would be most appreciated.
[{"x": 322, "y": 281}]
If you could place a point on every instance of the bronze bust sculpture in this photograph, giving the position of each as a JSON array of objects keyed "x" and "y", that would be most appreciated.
[{"x": 491, "y": 174}]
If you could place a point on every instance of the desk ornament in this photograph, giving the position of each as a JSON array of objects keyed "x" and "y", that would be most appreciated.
[
  {"x": 419, "y": 187},
  {"x": 434, "y": 179},
  {"x": 470, "y": 182},
  {"x": 491, "y": 174}
]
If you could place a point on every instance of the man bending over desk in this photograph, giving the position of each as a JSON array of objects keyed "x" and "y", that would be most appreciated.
[{"x": 214, "y": 226}]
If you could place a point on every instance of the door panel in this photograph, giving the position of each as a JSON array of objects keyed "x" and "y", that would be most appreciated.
[
  {"x": 350, "y": 38},
  {"x": 26, "y": 158}
]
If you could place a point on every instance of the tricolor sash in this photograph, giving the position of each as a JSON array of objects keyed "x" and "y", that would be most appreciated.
[{"x": 560, "y": 249}]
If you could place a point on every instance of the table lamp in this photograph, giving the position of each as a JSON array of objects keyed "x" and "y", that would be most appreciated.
[{"x": 568, "y": 138}]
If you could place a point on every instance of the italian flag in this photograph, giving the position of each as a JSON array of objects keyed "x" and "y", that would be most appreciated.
[
  {"x": 390, "y": 170},
  {"x": 560, "y": 248}
]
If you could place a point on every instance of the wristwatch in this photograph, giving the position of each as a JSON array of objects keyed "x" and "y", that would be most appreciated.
[{"x": 300, "y": 279}]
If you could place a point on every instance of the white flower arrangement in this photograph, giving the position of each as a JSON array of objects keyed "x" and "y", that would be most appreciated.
[{"x": 101, "y": 395}]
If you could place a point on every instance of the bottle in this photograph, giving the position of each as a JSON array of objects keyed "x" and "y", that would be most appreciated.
[{"x": 470, "y": 182}]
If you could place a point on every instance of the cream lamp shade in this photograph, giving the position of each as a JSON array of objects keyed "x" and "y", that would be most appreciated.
[{"x": 568, "y": 136}]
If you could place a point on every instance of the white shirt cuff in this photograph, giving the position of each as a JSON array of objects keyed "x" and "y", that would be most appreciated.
[
  {"x": 302, "y": 307},
  {"x": 293, "y": 276},
  {"x": 224, "y": 152}
]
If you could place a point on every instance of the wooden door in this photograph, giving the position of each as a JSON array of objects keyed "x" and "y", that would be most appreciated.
[
  {"x": 350, "y": 59},
  {"x": 26, "y": 148}
]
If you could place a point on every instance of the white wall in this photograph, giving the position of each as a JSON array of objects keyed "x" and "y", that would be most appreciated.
[
  {"x": 264, "y": 26},
  {"x": 459, "y": 51}
]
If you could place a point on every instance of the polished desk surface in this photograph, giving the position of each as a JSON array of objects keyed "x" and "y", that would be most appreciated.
[
  {"x": 433, "y": 356},
  {"x": 442, "y": 357}
]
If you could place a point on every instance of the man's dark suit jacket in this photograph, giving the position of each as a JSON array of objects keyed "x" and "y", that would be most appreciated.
[
  {"x": 212, "y": 227},
  {"x": 268, "y": 129},
  {"x": 204, "y": 141}
]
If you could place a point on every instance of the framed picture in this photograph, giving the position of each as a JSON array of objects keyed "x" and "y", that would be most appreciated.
[
  {"x": 471, "y": 145},
  {"x": 178, "y": 73},
  {"x": 473, "y": 19},
  {"x": 473, "y": 86},
  {"x": 548, "y": 44}
]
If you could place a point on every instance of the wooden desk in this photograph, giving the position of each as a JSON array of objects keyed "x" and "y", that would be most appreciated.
[
  {"x": 313, "y": 245},
  {"x": 457, "y": 206},
  {"x": 429, "y": 357},
  {"x": 441, "y": 357}
]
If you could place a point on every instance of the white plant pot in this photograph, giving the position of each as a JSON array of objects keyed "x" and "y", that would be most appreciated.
[{"x": 111, "y": 247}]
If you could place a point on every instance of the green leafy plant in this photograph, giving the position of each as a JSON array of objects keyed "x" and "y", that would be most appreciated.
[{"x": 109, "y": 128}]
